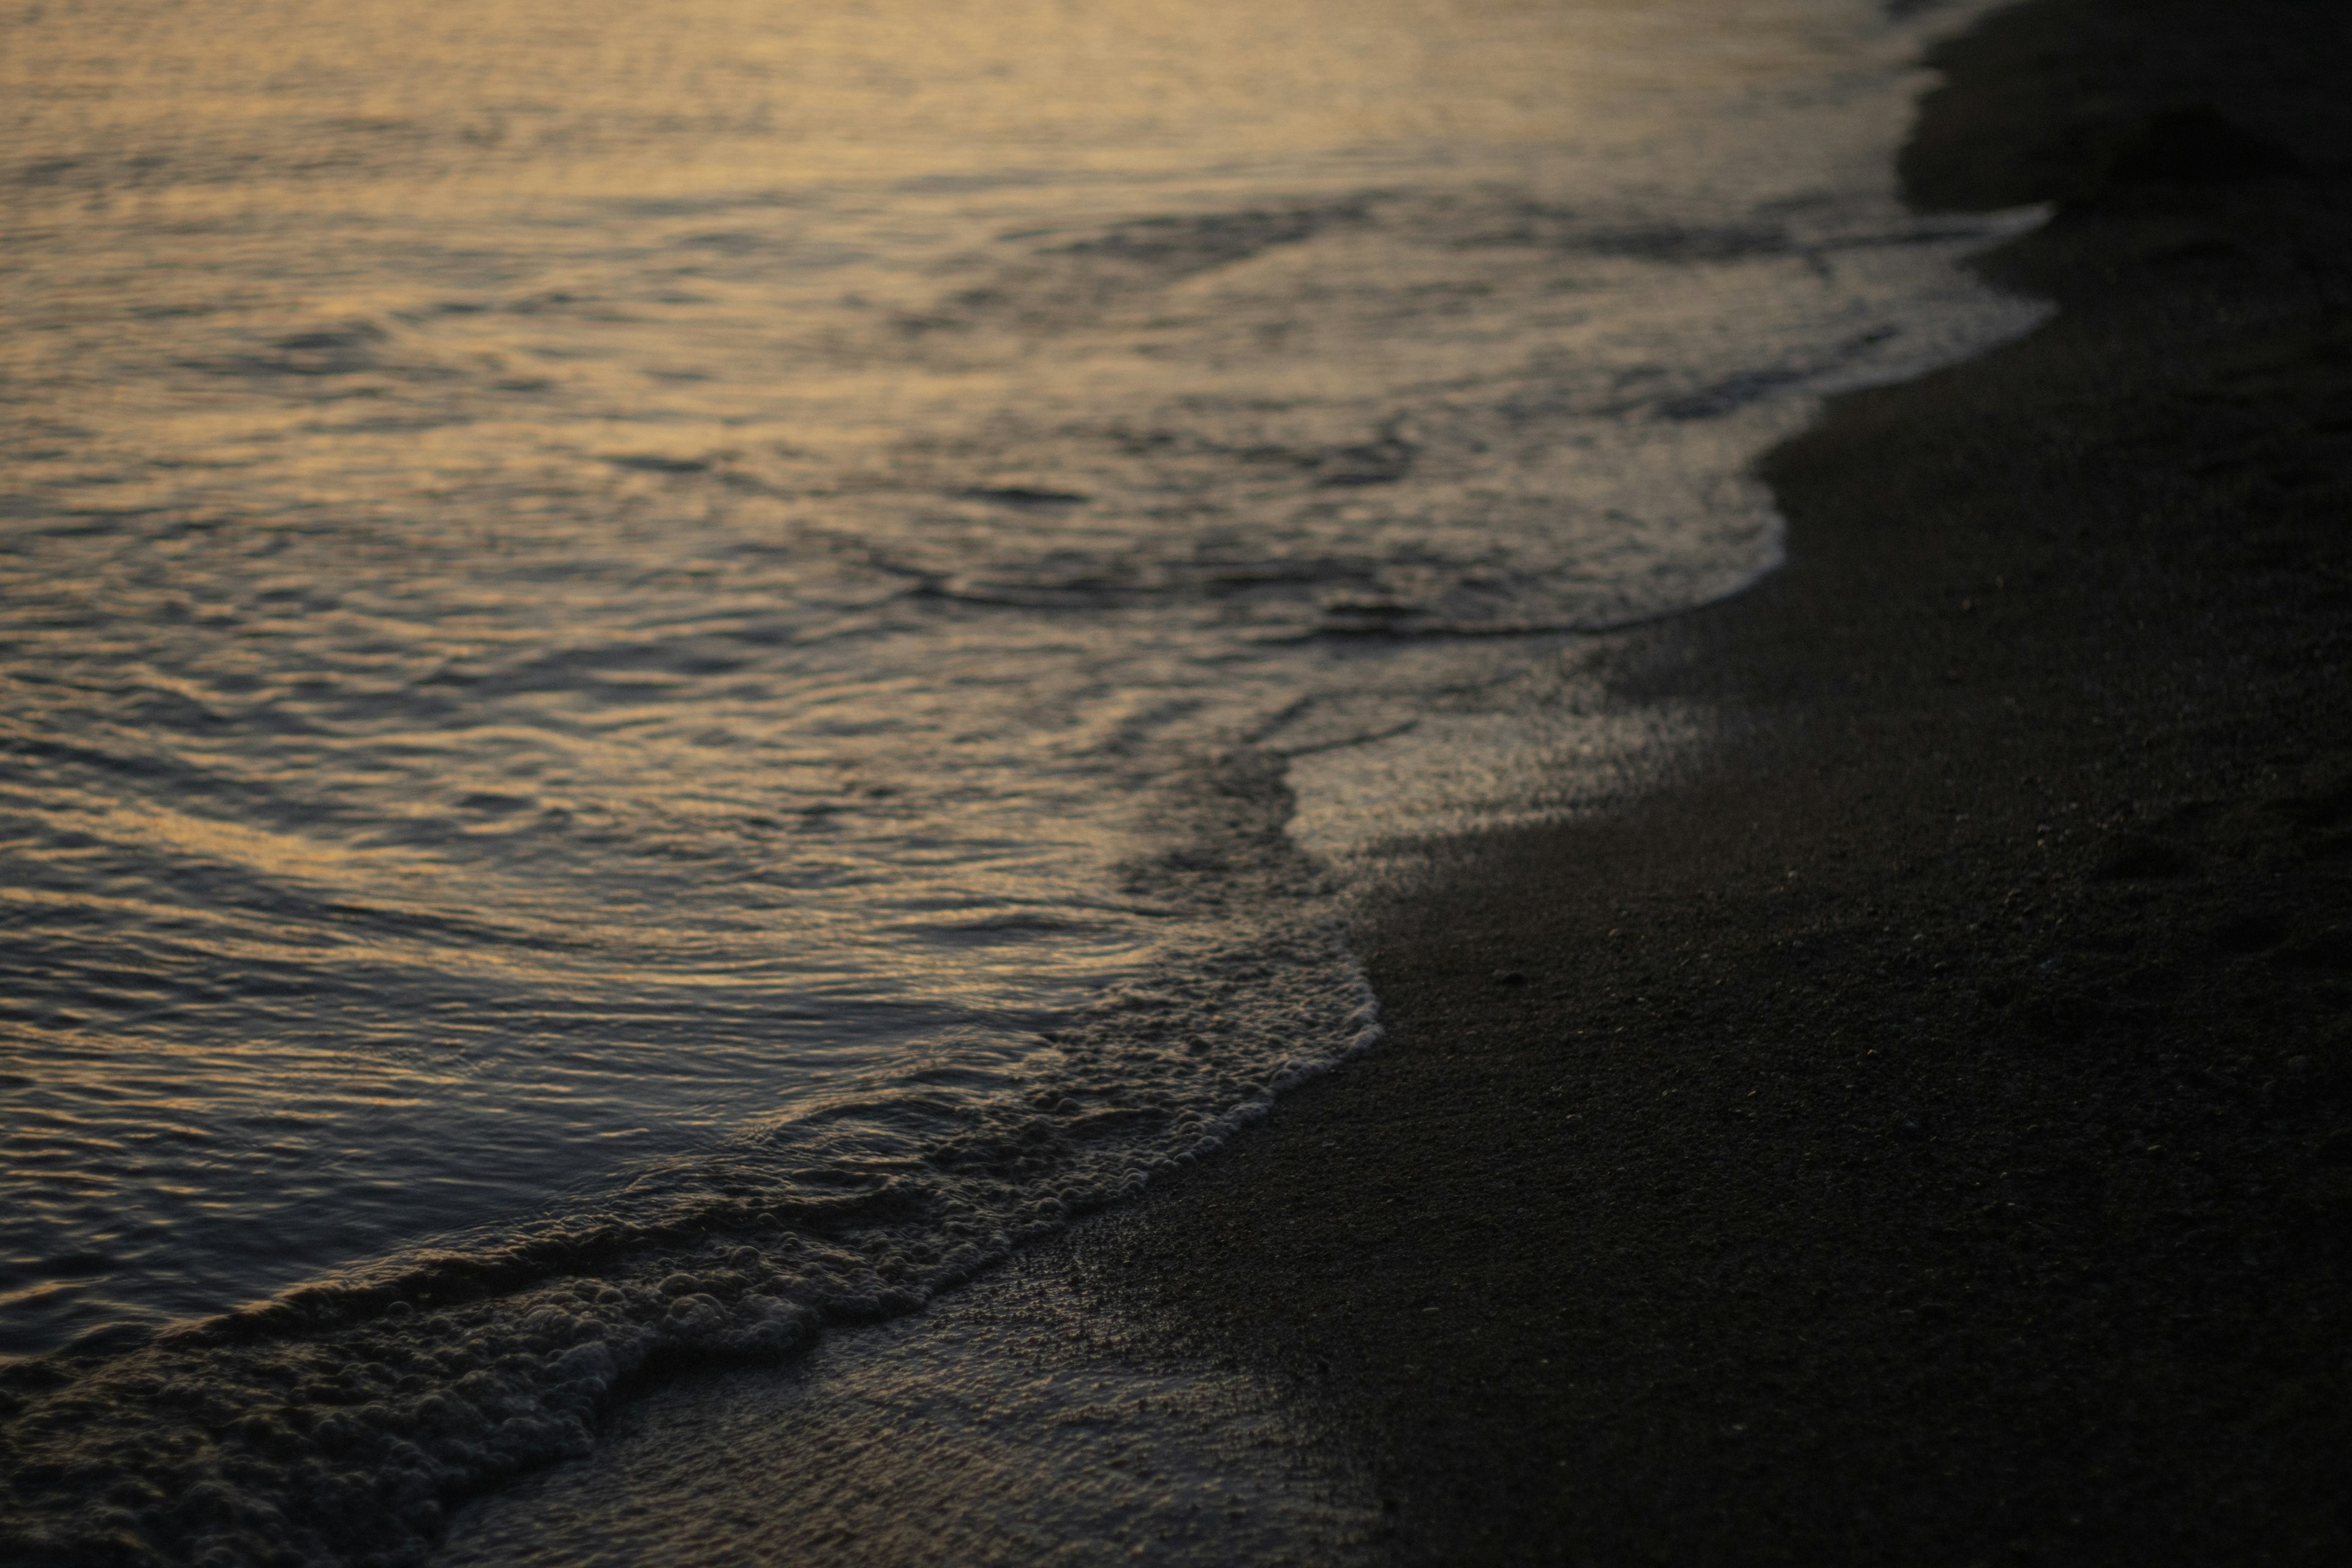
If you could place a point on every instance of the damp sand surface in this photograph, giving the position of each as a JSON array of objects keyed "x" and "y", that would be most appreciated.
[{"x": 1016, "y": 1421}]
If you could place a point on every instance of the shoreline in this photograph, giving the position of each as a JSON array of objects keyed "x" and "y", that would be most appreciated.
[
  {"x": 1924, "y": 1129},
  {"x": 1917, "y": 1128}
]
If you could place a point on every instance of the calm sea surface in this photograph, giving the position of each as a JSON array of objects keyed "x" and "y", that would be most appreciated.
[{"x": 669, "y": 671}]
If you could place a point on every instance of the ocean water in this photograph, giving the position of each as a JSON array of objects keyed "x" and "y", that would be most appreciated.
[{"x": 673, "y": 673}]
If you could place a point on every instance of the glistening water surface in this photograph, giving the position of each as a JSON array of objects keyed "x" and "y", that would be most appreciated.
[{"x": 675, "y": 669}]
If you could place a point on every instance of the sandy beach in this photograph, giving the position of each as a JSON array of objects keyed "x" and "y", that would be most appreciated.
[
  {"x": 1922, "y": 1131},
  {"x": 1895, "y": 1109}
]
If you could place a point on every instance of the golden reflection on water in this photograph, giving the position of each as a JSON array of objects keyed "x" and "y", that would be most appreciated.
[
  {"x": 585, "y": 572},
  {"x": 663, "y": 100}
]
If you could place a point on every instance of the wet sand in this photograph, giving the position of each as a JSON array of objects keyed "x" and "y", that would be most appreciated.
[{"x": 1921, "y": 1131}]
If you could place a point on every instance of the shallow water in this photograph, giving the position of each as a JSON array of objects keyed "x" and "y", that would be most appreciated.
[
  {"x": 1016, "y": 1421},
  {"x": 753, "y": 645}
]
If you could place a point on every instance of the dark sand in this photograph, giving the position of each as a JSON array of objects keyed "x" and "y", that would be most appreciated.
[{"x": 1923, "y": 1134}]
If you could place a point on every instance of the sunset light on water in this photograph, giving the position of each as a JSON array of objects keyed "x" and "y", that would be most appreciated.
[{"x": 764, "y": 644}]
